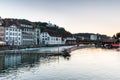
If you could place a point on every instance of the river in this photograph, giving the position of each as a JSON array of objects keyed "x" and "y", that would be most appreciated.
[{"x": 83, "y": 64}]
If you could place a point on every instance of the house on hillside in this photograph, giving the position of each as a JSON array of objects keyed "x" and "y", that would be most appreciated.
[{"x": 49, "y": 37}]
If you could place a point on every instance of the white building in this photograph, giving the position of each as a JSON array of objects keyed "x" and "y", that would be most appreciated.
[
  {"x": 49, "y": 37},
  {"x": 13, "y": 35},
  {"x": 93, "y": 37},
  {"x": 17, "y": 33}
]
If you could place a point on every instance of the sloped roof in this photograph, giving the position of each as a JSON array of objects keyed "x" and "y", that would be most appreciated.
[
  {"x": 52, "y": 33},
  {"x": 67, "y": 34}
]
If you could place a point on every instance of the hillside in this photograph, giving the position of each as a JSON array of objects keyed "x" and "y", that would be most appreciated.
[{"x": 42, "y": 25}]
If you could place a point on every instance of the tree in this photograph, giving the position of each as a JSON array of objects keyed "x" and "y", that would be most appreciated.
[{"x": 118, "y": 35}]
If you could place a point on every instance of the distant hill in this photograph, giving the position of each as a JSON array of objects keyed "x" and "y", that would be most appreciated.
[{"x": 87, "y": 35}]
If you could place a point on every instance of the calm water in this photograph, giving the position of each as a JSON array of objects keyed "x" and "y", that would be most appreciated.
[{"x": 84, "y": 64}]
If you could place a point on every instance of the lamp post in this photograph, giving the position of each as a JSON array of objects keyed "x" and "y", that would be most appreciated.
[
  {"x": 58, "y": 48},
  {"x": 119, "y": 42}
]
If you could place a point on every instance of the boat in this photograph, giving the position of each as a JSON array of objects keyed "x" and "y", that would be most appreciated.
[
  {"x": 66, "y": 52},
  {"x": 115, "y": 45}
]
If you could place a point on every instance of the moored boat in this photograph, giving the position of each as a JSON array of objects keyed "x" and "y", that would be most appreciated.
[{"x": 115, "y": 45}]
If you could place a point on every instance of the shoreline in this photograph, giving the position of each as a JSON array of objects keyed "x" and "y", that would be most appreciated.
[{"x": 37, "y": 50}]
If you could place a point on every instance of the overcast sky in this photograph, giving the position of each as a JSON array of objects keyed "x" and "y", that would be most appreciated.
[{"x": 76, "y": 16}]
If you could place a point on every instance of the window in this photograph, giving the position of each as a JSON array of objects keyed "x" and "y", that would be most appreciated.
[
  {"x": 6, "y": 38},
  {"x": 6, "y": 28},
  {"x": 10, "y": 38},
  {"x": 45, "y": 38},
  {"x": 10, "y": 33},
  {"x": 6, "y": 33},
  {"x": 19, "y": 34},
  {"x": 48, "y": 38},
  {"x": 10, "y": 29}
]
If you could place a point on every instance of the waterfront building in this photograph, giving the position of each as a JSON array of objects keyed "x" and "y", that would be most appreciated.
[
  {"x": 37, "y": 33},
  {"x": 93, "y": 37},
  {"x": 27, "y": 34},
  {"x": 69, "y": 39},
  {"x": 2, "y": 42},
  {"x": 13, "y": 35},
  {"x": 16, "y": 32},
  {"x": 49, "y": 37}
]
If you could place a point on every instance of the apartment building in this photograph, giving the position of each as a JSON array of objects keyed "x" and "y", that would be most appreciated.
[{"x": 15, "y": 32}]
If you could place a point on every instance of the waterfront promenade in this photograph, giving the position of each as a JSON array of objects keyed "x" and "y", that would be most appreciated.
[{"x": 47, "y": 50}]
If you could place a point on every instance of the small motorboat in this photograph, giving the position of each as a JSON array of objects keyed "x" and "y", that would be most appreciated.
[{"x": 66, "y": 52}]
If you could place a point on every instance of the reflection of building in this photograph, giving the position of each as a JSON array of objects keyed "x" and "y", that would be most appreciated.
[
  {"x": 12, "y": 60},
  {"x": 1, "y": 62}
]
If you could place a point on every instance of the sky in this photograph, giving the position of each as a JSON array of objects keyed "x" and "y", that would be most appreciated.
[{"x": 76, "y": 16}]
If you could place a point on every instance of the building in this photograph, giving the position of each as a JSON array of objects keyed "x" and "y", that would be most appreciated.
[
  {"x": 27, "y": 34},
  {"x": 69, "y": 39},
  {"x": 2, "y": 33},
  {"x": 49, "y": 37},
  {"x": 37, "y": 33},
  {"x": 93, "y": 37},
  {"x": 13, "y": 35},
  {"x": 19, "y": 32}
]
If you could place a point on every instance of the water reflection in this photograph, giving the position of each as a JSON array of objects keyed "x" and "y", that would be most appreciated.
[
  {"x": 83, "y": 64},
  {"x": 10, "y": 61}
]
